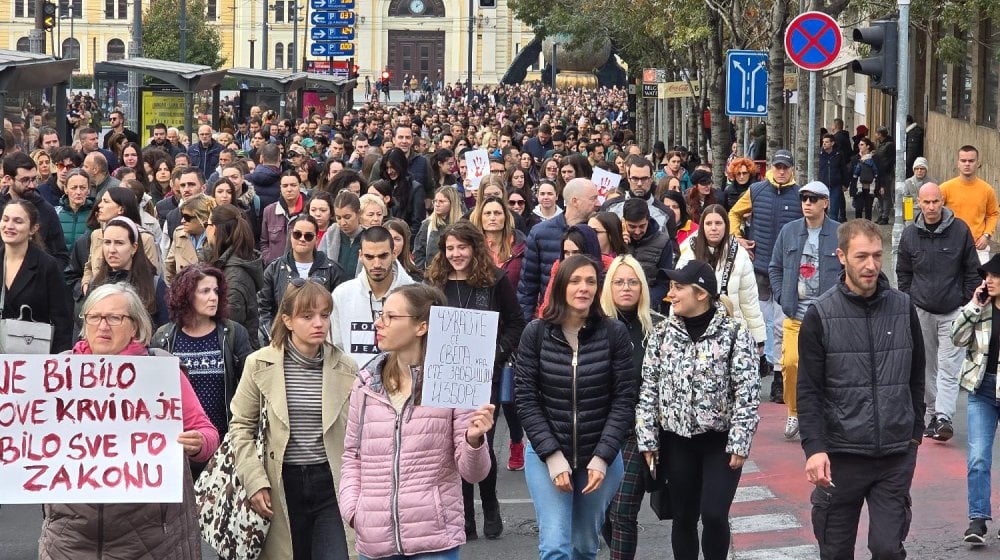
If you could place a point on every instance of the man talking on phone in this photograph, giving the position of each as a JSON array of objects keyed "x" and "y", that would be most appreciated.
[
  {"x": 861, "y": 401},
  {"x": 938, "y": 266}
]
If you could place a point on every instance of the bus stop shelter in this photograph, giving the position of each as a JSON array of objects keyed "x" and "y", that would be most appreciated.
[
  {"x": 22, "y": 71},
  {"x": 281, "y": 83},
  {"x": 341, "y": 88},
  {"x": 187, "y": 78}
]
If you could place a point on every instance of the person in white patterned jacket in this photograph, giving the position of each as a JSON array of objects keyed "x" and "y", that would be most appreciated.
[{"x": 698, "y": 408}]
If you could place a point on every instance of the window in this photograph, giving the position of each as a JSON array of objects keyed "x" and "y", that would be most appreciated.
[
  {"x": 65, "y": 7},
  {"x": 24, "y": 44},
  {"x": 71, "y": 49},
  {"x": 279, "y": 55},
  {"x": 963, "y": 81},
  {"x": 990, "y": 72},
  {"x": 24, "y": 8},
  {"x": 115, "y": 9},
  {"x": 213, "y": 9},
  {"x": 279, "y": 11},
  {"x": 116, "y": 49},
  {"x": 291, "y": 55}
]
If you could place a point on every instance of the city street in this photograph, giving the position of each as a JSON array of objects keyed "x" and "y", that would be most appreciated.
[{"x": 770, "y": 519}]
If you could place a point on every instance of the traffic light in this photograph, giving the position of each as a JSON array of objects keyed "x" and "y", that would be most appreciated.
[
  {"x": 354, "y": 71},
  {"x": 386, "y": 75},
  {"x": 883, "y": 61},
  {"x": 48, "y": 15}
]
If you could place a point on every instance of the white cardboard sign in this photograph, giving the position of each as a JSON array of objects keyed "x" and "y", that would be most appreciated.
[
  {"x": 606, "y": 181},
  {"x": 461, "y": 350},
  {"x": 477, "y": 167}
]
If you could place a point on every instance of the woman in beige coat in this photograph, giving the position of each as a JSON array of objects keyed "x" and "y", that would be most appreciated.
[
  {"x": 190, "y": 236},
  {"x": 298, "y": 485}
]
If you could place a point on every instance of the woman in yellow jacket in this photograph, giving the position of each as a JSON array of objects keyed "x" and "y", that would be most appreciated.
[{"x": 304, "y": 385}]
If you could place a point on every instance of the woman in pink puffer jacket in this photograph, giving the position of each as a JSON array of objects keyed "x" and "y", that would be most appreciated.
[{"x": 401, "y": 483}]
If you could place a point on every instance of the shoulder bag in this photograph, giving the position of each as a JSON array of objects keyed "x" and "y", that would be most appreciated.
[
  {"x": 22, "y": 335},
  {"x": 228, "y": 523}
]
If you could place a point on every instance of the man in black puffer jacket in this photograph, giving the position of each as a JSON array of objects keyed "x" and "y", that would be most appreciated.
[{"x": 861, "y": 401}]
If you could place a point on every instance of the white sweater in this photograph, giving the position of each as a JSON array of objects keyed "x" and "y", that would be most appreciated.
[{"x": 742, "y": 289}]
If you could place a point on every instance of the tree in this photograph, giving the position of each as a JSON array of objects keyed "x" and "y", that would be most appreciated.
[{"x": 161, "y": 33}]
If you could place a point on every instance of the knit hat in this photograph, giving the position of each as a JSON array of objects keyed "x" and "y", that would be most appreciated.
[
  {"x": 920, "y": 162},
  {"x": 862, "y": 130}
]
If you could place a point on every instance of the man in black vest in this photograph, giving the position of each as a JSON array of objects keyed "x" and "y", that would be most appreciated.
[{"x": 861, "y": 401}]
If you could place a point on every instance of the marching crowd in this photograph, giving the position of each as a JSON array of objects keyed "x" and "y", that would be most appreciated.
[{"x": 292, "y": 266}]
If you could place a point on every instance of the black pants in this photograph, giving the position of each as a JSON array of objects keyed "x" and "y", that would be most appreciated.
[
  {"x": 882, "y": 482},
  {"x": 513, "y": 422},
  {"x": 488, "y": 486},
  {"x": 701, "y": 486},
  {"x": 863, "y": 202},
  {"x": 313, "y": 513}
]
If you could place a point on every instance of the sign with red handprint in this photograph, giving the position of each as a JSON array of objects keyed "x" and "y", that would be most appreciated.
[
  {"x": 606, "y": 182},
  {"x": 477, "y": 164}
]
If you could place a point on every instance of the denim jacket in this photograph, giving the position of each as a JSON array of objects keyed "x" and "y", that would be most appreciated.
[{"x": 787, "y": 256}]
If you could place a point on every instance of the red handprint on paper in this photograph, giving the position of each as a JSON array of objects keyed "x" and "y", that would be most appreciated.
[{"x": 479, "y": 166}]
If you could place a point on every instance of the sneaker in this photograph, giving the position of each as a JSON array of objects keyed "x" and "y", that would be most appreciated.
[
  {"x": 791, "y": 427},
  {"x": 931, "y": 428},
  {"x": 516, "y": 460},
  {"x": 976, "y": 533},
  {"x": 943, "y": 431}
]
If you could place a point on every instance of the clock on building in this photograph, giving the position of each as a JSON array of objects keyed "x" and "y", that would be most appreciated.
[{"x": 417, "y": 7}]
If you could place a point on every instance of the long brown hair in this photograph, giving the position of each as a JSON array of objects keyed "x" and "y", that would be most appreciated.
[
  {"x": 700, "y": 247},
  {"x": 482, "y": 271},
  {"x": 506, "y": 236},
  {"x": 419, "y": 300}
]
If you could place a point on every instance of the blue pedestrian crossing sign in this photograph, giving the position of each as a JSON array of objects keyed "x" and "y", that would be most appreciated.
[{"x": 746, "y": 83}]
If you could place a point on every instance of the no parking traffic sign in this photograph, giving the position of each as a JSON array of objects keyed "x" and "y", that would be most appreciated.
[{"x": 813, "y": 40}]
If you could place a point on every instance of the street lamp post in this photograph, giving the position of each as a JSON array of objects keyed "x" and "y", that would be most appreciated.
[
  {"x": 294, "y": 7},
  {"x": 468, "y": 85},
  {"x": 267, "y": 46}
]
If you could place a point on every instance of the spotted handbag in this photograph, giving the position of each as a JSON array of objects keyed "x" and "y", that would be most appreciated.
[{"x": 228, "y": 523}]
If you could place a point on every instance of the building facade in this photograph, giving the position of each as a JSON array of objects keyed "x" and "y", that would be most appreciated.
[{"x": 409, "y": 37}]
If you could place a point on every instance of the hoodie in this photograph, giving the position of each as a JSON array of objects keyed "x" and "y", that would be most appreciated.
[
  {"x": 266, "y": 180},
  {"x": 938, "y": 267},
  {"x": 352, "y": 322}
]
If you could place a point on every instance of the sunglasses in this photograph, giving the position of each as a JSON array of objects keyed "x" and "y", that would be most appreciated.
[
  {"x": 308, "y": 235},
  {"x": 810, "y": 198},
  {"x": 188, "y": 217},
  {"x": 514, "y": 202},
  {"x": 299, "y": 282}
]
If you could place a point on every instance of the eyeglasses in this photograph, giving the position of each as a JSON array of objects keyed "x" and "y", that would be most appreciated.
[
  {"x": 631, "y": 283},
  {"x": 640, "y": 179},
  {"x": 513, "y": 202},
  {"x": 113, "y": 320},
  {"x": 25, "y": 181},
  {"x": 308, "y": 235},
  {"x": 387, "y": 319},
  {"x": 64, "y": 166},
  {"x": 811, "y": 198}
]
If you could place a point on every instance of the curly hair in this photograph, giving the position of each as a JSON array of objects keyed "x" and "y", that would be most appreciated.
[
  {"x": 741, "y": 162},
  {"x": 482, "y": 271},
  {"x": 180, "y": 299}
]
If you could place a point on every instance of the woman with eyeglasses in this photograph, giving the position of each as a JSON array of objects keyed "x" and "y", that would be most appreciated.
[
  {"x": 124, "y": 260},
  {"x": 743, "y": 172},
  {"x": 211, "y": 346},
  {"x": 625, "y": 296},
  {"x": 550, "y": 170},
  {"x": 448, "y": 209},
  {"x": 575, "y": 393},
  {"x": 277, "y": 216},
  {"x": 302, "y": 260},
  {"x": 303, "y": 383},
  {"x": 466, "y": 271},
  {"x": 191, "y": 238},
  {"x": 116, "y": 201},
  {"x": 75, "y": 206},
  {"x": 116, "y": 323},
  {"x": 231, "y": 249},
  {"x": 414, "y": 455},
  {"x": 31, "y": 277},
  {"x": 519, "y": 202},
  {"x": 608, "y": 227}
]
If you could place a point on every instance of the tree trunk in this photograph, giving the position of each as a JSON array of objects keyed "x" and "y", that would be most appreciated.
[
  {"x": 776, "y": 79},
  {"x": 644, "y": 133},
  {"x": 715, "y": 68}
]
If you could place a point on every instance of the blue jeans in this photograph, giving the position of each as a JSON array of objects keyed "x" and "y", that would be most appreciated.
[
  {"x": 450, "y": 554},
  {"x": 983, "y": 416},
  {"x": 838, "y": 204},
  {"x": 569, "y": 524}
]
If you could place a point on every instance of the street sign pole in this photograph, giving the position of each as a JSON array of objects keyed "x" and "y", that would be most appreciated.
[
  {"x": 811, "y": 137},
  {"x": 902, "y": 109}
]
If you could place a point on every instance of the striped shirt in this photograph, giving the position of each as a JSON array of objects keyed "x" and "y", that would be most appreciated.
[{"x": 304, "y": 394}]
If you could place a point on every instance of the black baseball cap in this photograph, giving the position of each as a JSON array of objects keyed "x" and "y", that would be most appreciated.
[{"x": 694, "y": 272}]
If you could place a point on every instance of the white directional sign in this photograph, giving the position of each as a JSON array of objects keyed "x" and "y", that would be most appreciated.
[{"x": 746, "y": 83}]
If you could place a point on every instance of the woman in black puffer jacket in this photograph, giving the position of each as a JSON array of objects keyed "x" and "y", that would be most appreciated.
[{"x": 575, "y": 394}]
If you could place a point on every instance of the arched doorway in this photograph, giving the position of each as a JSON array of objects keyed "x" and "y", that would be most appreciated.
[{"x": 415, "y": 53}]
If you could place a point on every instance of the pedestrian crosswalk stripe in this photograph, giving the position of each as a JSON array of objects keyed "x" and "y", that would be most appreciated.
[
  {"x": 752, "y": 494},
  {"x": 803, "y": 552},
  {"x": 750, "y": 467},
  {"x": 763, "y": 523}
]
